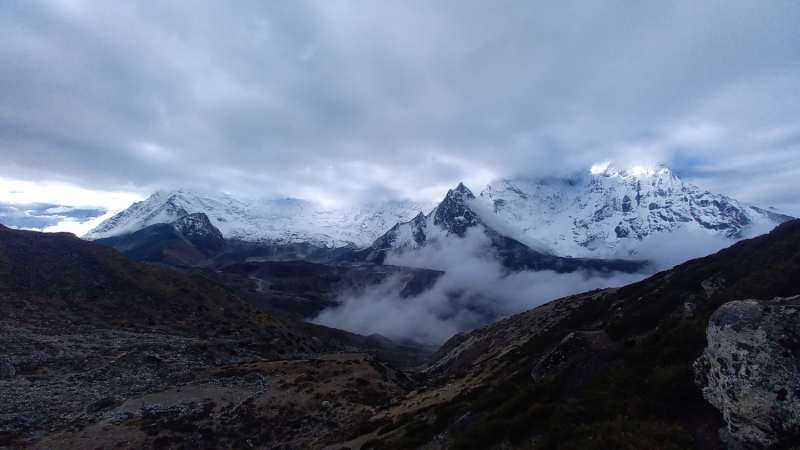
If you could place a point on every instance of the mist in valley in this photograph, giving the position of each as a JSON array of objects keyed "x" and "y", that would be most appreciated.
[{"x": 477, "y": 290}]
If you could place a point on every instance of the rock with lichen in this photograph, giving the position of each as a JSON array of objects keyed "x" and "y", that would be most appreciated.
[
  {"x": 751, "y": 370},
  {"x": 714, "y": 284}
]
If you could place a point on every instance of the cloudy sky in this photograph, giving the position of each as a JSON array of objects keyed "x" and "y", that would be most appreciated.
[{"x": 346, "y": 101}]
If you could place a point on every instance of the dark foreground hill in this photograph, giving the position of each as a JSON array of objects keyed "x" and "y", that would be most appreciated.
[{"x": 98, "y": 350}]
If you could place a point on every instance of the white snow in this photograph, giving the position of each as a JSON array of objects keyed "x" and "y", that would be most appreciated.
[
  {"x": 588, "y": 215},
  {"x": 579, "y": 217},
  {"x": 273, "y": 221}
]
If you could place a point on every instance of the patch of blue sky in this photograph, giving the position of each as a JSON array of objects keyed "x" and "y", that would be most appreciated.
[{"x": 684, "y": 164}]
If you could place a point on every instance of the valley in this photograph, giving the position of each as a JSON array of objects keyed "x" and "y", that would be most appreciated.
[
  {"x": 178, "y": 336},
  {"x": 403, "y": 225}
]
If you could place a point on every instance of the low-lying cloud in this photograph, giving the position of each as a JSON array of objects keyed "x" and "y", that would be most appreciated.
[
  {"x": 666, "y": 250},
  {"x": 474, "y": 291},
  {"x": 477, "y": 290}
]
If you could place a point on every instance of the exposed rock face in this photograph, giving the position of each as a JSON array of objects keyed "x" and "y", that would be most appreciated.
[
  {"x": 198, "y": 230},
  {"x": 453, "y": 213},
  {"x": 689, "y": 306},
  {"x": 751, "y": 370},
  {"x": 454, "y": 216}
]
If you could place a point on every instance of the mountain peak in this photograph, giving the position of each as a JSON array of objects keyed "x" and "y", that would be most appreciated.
[
  {"x": 608, "y": 211},
  {"x": 453, "y": 213},
  {"x": 616, "y": 169},
  {"x": 461, "y": 193}
]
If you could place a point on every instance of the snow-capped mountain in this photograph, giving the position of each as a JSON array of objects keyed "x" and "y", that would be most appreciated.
[
  {"x": 594, "y": 212},
  {"x": 455, "y": 215},
  {"x": 451, "y": 216},
  {"x": 267, "y": 221},
  {"x": 601, "y": 213}
]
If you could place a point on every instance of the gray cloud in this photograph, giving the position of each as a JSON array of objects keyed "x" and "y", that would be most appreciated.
[
  {"x": 474, "y": 291},
  {"x": 397, "y": 99}
]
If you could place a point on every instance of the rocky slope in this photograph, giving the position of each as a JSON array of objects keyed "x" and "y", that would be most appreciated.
[
  {"x": 288, "y": 221},
  {"x": 99, "y": 350},
  {"x": 605, "y": 211},
  {"x": 188, "y": 240},
  {"x": 294, "y": 289},
  {"x": 605, "y": 369}
]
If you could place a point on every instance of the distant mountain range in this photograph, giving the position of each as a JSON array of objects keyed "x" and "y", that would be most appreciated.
[
  {"x": 598, "y": 213},
  {"x": 287, "y": 221}
]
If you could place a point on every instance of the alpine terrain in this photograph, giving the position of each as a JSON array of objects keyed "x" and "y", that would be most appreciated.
[
  {"x": 607, "y": 210},
  {"x": 287, "y": 221},
  {"x": 600, "y": 213}
]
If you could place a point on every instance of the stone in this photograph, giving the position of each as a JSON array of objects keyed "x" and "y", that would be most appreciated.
[
  {"x": 714, "y": 284},
  {"x": 689, "y": 306},
  {"x": 7, "y": 370},
  {"x": 750, "y": 370},
  {"x": 101, "y": 404}
]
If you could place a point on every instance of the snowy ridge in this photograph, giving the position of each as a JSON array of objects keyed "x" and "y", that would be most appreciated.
[
  {"x": 451, "y": 216},
  {"x": 269, "y": 221},
  {"x": 598, "y": 213}
]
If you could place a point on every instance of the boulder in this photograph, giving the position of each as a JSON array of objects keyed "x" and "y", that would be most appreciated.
[
  {"x": 714, "y": 284},
  {"x": 7, "y": 370},
  {"x": 750, "y": 370},
  {"x": 689, "y": 306}
]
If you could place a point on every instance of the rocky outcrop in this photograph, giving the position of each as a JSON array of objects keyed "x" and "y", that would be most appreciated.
[
  {"x": 714, "y": 284},
  {"x": 751, "y": 370},
  {"x": 574, "y": 345}
]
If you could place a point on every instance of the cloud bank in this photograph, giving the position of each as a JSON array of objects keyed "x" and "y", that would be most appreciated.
[{"x": 476, "y": 290}]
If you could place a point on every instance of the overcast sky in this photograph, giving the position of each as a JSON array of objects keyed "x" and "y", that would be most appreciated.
[{"x": 346, "y": 101}]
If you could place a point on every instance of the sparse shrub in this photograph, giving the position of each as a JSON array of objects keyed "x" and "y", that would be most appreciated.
[
  {"x": 482, "y": 436},
  {"x": 403, "y": 420},
  {"x": 625, "y": 434},
  {"x": 372, "y": 444}
]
